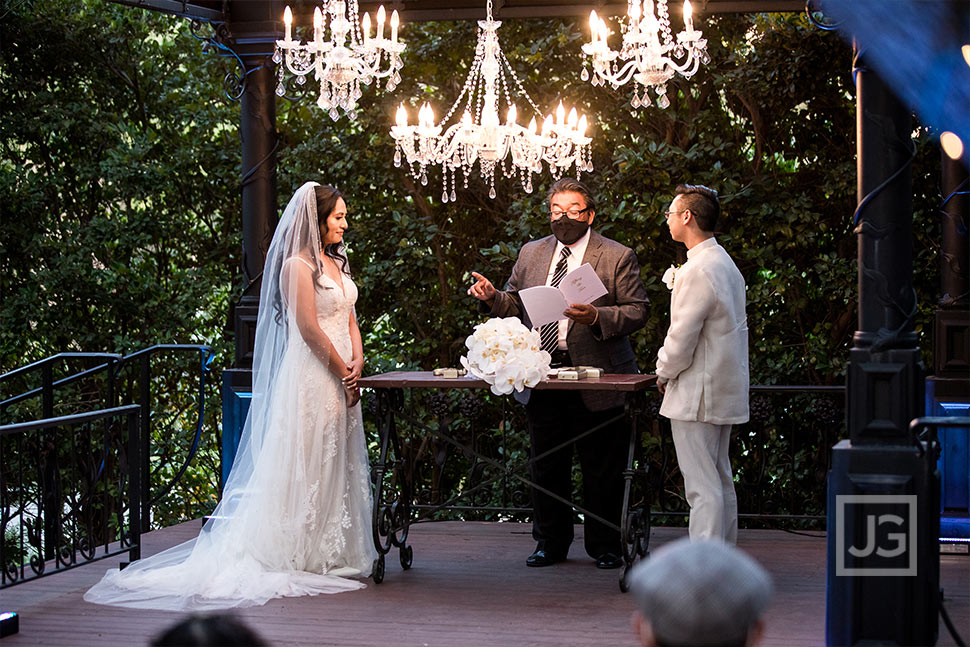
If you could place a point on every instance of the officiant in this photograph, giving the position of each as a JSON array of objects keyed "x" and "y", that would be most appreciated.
[{"x": 592, "y": 334}]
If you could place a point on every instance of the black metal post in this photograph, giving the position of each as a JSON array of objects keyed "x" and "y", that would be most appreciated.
[
  {"x": 144, "y": 493},
  {"x": 952, "y": 338},
  {"x": 883, "y": 491},
  {"x": 137, "y": 488},
  {"x": 254, "y": 32},
  {"x": 254, "y": 29},
  {"x": 49, "y": 489},
  {"x": 258, "y": 130},
  {"x": 954, "y": 278},
  {"x": 884, "y": 352},
  {"x": 948, "y": 389}
]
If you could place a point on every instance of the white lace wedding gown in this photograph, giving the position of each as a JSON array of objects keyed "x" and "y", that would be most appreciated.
[{"x": 301, "y": 525}]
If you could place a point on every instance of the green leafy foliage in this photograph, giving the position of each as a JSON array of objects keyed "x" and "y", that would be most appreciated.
[
  {"x": 119, "y": 194},
  {"x": 117, "y": 202},
  {"x": 116, "y": 183},
  {"x": 770, "y": 124}
]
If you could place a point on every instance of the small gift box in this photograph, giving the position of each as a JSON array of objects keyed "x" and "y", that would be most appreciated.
[
  {"x": 577, "y": 373},
  {"x": 572, "y": 373},
  {"x": 450, "y": 373}
]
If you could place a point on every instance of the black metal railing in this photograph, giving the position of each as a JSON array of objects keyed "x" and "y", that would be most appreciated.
[
  {"x": 155, "y": 486},
  {"x": 28, "y": 398},
  {"x": 924, "y": 429},
  {"x": 69, "y": 486},
  {"x": 780, "y": 458},
  {"x": 165, "y": 409}
]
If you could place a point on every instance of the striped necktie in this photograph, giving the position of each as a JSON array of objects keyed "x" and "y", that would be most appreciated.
[{"x": 549, "y": 333}]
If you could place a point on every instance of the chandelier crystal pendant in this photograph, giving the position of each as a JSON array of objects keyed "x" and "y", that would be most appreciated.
[
  {"x": 353, "y": 56},
  {"x": 651, "y": 55},
  {"x": 479, "y": 134}
]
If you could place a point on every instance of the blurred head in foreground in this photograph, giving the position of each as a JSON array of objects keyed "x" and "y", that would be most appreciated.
[
  {"x": 699, "y": 594},
  {"x": 208, "y": 631}
]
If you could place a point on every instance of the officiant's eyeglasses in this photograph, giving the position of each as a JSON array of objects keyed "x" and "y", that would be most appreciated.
[
  {"x": 556, "y": 214},
  {"x": 667, "y": 214}
]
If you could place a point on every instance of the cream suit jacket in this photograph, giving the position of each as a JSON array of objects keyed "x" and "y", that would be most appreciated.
[{"x": 704, "y": 358}]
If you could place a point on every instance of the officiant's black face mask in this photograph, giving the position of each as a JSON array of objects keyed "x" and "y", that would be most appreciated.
[{"x": 568, "y": 230}]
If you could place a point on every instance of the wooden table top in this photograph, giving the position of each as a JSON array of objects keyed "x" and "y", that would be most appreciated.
[{"x": 426, "y": 379}]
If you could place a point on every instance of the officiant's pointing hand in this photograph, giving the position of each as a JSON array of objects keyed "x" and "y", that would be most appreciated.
[{"x": 482, "y": 289}]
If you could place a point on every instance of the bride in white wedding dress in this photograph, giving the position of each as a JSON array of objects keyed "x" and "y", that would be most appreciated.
[{"x": 295, "y": 514}]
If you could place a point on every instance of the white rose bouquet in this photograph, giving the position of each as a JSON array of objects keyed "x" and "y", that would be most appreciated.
[{"x": 506, "y": 354}]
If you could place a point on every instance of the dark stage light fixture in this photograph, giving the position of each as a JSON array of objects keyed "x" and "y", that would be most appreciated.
[{"x": 9, "y": 623}]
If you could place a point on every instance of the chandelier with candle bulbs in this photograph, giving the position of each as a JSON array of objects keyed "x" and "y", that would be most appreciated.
[
  {"x": 479, "y": 134},
  {"x": 351, "y": 57},
  {"x": 651, "y": 55}
]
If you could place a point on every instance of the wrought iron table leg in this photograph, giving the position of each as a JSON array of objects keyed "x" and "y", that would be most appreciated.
[
  {"x": 634, "y": 524},
  {"x": 390, "y": 519}
]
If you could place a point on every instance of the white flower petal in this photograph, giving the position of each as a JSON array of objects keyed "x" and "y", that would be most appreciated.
[{"x": 668, "y": 277}]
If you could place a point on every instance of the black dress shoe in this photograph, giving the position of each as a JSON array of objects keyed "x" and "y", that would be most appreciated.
[
  {"x": 543, "y": 557},
  {"x": 609, "y": 560}
]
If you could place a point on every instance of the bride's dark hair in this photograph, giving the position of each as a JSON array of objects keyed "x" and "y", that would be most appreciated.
[
  {"x": 326, "y": 201},
  {"x": 299, "y": 233}
]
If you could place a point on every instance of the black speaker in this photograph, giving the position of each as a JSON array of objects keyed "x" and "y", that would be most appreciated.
[{"x": 883, "y": 576}]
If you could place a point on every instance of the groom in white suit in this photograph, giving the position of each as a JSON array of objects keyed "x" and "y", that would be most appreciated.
[{"x": 702, "y": 369}]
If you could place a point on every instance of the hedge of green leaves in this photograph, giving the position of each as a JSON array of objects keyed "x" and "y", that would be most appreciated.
[{"x": 120, "y": 167}]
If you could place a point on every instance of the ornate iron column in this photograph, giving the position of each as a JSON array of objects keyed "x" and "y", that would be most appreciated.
[
  {"x": 883, "y": 497},
  {"x": 247, "y": 30},
  {"x": 252, "y": 33}
]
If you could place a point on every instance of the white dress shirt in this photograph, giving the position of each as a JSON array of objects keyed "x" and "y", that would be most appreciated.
[{"x": 576, "y": 252}]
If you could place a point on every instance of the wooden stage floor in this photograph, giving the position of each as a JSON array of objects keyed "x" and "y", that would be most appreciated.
[{"x": 469, "y": 586}]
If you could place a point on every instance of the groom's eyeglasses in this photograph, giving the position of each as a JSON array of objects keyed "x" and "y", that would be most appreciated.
[
  {"x": 667, "y": 214},
  {"x": 556, "y": 214}
]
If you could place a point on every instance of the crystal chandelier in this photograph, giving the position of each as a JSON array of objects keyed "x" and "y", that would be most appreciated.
[
  {"x": 479, "y": 134},
  {"x": 652, "y": 57},
  {"x": 352, "y": 55}
]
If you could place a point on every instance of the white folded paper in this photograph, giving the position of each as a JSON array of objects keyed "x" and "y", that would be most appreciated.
[{"x": 545, "y": 304}]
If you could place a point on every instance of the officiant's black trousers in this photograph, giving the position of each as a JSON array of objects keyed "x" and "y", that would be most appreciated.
[{"x": 555, "y": 417}]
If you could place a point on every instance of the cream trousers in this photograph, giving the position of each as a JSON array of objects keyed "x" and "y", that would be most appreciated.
[{"x": 702, "y": 454}]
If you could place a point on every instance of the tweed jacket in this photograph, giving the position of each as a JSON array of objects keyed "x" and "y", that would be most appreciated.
[
  {"x": 704, "y": 358},
  {"x": 622, "y": 311}
]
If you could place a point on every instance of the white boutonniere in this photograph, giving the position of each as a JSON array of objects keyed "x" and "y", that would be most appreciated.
[{"x": 668, "y": 277}]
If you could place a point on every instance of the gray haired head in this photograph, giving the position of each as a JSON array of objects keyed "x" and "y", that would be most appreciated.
[
  {"x": 701, "y": 593},
  {"x": 565, "y": 184}
]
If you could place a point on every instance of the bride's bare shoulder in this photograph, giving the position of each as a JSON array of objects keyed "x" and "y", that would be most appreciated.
[{"x": 303, "y": 256}]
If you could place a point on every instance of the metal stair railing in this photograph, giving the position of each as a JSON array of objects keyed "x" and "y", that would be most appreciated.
[
  {"x": 62, "y": 495},
  {"x": 144, "y": 359},
  {"x": 48, "y": 384},
  {"x": 112, "y": 365}
]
